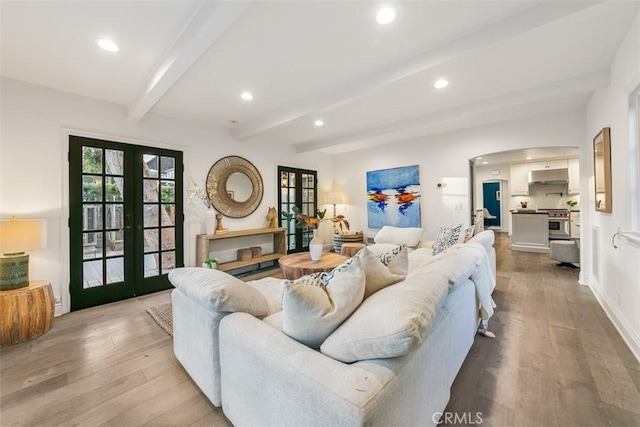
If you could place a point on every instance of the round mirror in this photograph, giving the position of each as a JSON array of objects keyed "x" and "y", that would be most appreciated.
[
  {"x": 239, "y": 187},
  {"x": 234, "y": 186}
]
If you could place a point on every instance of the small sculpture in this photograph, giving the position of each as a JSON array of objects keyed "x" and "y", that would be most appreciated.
[
  {"x": 219, "y": 223},
  {"x": 272, "y": 217}
]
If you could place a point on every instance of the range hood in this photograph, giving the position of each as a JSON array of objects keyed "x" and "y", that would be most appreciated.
[{"x": 549, "y": 176}]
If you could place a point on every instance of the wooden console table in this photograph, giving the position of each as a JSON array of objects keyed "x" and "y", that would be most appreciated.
[
  {"x": 26, "y": 312},
  {"x": 297, "y": 265},
  {"x": 205, "y": 242}
]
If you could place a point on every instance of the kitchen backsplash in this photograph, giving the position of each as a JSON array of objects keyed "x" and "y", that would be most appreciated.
[{"x": 546, "y": 196}]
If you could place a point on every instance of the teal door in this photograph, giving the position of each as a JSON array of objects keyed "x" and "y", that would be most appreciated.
[
  {"x": 491, "y": 197},
  {"x": 125, "y": 220}
]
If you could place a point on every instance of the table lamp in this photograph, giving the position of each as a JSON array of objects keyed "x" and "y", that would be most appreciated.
[{"x": 17, "y": 236}]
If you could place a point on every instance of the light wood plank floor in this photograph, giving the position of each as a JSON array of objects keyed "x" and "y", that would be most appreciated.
[{"x": 557, "y": 360}]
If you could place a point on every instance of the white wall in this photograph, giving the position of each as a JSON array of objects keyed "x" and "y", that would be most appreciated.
[
  {"x": 618, "y": 285},
  {"x": 443, "y": 157},
  {"x": 34, "y": 174}
]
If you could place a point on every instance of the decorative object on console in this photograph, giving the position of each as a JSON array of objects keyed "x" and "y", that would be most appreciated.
[
  {"x": 247, "y": 188},
  {"x": 394, "y": 197},
  {"x": 219, "y": 228},
  {"x": 17, "y": 236},
  {"x": 272, "y": 217},
  {"x": 210, "y": 221},
  {"x": 211, "y": 263},
  {"x": 244, "y": 254}
]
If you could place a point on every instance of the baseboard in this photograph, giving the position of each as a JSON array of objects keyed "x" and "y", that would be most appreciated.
[{"x": 628, "y": 335}]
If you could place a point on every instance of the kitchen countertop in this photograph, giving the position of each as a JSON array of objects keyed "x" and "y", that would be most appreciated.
[{"x": 530, "y": 212}]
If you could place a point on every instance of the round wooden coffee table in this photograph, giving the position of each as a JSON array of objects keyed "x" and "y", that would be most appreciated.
[{"x": 297, "y": 265}]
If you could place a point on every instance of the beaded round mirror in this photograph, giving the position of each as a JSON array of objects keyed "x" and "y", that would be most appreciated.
[{"x": 234, "y": 186}]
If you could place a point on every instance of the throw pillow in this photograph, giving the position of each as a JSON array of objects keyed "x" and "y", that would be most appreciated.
[
  {"x": 383, "y": 270},
  {"x": 314, "y": 306},
  {"x": 468, "y": 232},
  {"x": 409, "y": 308},
  {"x": 409, "y": 236},
  {"x": 447, "y": 237},
  {"x": 218, "y": 291}
]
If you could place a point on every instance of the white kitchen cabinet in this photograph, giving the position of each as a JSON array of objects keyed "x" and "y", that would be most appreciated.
[
  {"x": 530, "y": 232},
  {"x": 551, "y": 164},
  {"x": 519, "y": 183},
  {"x": 574, "y": 176}
]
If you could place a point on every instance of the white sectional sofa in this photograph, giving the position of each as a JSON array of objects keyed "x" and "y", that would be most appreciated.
[{"x": 235, "y": 351}]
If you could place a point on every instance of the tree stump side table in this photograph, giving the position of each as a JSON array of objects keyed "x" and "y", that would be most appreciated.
[
  {"x": 297, "y": 265},
  {"x": 26, "y": 313}
]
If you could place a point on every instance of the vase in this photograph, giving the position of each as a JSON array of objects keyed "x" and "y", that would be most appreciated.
[
  {"x": 315, "y": 246},
  {"x": 210, "y": 221}
]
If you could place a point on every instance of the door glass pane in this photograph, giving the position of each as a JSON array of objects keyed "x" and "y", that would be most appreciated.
[
  {"x": 115, "y": 243},
  {"x": 167, "y": 191},
  {"x": 91, "y": 188},
  {"x": 168, "y": 238},
  {"x": 151, "y": 240},
  {"x": 168, "y": 261},
  {"x": 305, "y": 195},
  {"x": 151, "y": 265},
  {"x": 292, "y": 241},
  {"x": 115, "y": 216},
  {"x": 114, "y": 189},
  {"x": 167, "y": 167},
  {"x": 91, "y": 274},
  {"x": 168, "y": 215},
  {"x": 150, "y": 216},
  {"x": 292, "y": 196},
  {"x": 150, "y": 166},
  {"x": 150, "y": 190},
  {"x": 114, "y": 163},
  {"x": 115, "y": 270},
  {"x": 92, "y": 217},
  {"x": 292, "y": 180},
  {"x": 91, "y": 245},
  {"x": 91, "y": 160}
]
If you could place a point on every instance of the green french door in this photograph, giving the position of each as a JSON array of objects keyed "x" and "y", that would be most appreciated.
[
  {"x": 298, "y": 187},
  {"x": 125, "y": 220}
]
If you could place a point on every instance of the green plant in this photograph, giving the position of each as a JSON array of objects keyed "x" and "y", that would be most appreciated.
[
  {"x": 211, "y": 261},
  {"x": 572, "y": 203},
  {"x": 303, "y": 220}
]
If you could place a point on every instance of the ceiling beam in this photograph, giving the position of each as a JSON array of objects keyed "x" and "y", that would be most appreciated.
[
  {"x": 525, "y": 20},
  {"x": 414, "y": 127},
  {"x": 207, "y": 24}
]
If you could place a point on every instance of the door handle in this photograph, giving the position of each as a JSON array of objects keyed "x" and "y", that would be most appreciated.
[{"x": 125, "y": 229}]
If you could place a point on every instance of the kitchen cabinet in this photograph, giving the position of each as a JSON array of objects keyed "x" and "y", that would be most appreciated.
[
  {"x": 519, "y": 183},
  {"x": 530, "y": 232},
  {"x": 551, "y": 164},
  {"x": 574, "y": 176}
]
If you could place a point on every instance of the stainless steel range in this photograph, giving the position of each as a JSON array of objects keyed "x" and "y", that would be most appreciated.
[{"x": 559, "y": 228}]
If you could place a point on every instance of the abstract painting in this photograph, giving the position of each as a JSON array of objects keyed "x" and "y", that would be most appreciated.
[{"x": 394, "y": 197}]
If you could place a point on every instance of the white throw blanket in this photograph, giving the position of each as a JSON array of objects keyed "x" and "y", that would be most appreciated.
[{"x": 468, "y": 260}]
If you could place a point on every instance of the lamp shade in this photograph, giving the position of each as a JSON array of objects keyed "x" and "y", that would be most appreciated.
[
  {"x": 22, "y": 235},
  {"x": 336, "y": 198}
]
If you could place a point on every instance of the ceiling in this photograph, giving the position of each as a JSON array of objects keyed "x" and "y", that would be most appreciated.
[
  {"x": 526, "y": 155},
  {"x": 307, "y": 60}
]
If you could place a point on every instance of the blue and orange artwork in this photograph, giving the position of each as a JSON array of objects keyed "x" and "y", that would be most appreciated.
[{"x": 394, "y": 197}]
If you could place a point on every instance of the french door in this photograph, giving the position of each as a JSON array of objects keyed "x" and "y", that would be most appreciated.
[
  {"x": 125, "y": 220},
  {"x": 297, "y": 188}
]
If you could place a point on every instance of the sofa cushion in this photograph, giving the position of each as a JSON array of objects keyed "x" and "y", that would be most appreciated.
[
  {"x": 486, "y": 238},
  {"x": 468, "y": 233},
  {"x": 448, "y": 236},
  {"x": 315, "y": 305},
  {"x": 392, "y": 322},
  {"x": 384, "y": 269},
  {"x": 218, "y": 291},
  {"x": 408, "y": 236}
]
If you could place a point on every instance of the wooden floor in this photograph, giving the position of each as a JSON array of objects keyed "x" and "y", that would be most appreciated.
[{"x": 557, "y": 361}]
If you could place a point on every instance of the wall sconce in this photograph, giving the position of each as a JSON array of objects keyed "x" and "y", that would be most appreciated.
[{"x": 17, "y": 236}]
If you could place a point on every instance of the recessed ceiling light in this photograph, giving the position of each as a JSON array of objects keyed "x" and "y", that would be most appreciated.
[
  {"x": 385, "y": 15},
  {"x": 442, "y": 83},
  {"x": 529, "y": 158},
  {"x": 246, "y": 96},
  {"x": 479, "y": 158},
  {"x": 107, "y": 44},
  {"x": 484, "y": 163},
  {"x": 318, "y": 123}
]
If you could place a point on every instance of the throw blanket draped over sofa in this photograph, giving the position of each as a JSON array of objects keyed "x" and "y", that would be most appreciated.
[{"x": 391, "y": 362}]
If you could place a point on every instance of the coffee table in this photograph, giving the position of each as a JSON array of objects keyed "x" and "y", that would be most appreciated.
[{"x": 297, "y": 265}]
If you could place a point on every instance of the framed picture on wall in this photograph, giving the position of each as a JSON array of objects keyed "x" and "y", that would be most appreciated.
[
  {"x": 394, "y": 197},
  {"x": 602, "y": 170}
]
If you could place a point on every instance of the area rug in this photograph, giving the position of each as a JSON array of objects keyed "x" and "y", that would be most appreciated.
[{"x": 163, "y": 315}]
